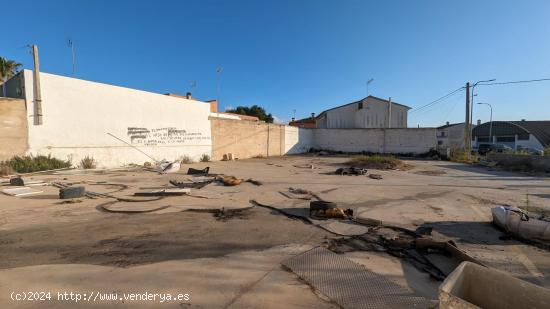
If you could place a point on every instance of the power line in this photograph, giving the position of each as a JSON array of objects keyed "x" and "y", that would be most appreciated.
[
  {"x": 517, "y": 82},
  {"x": 451, "y": 109},
  {"x": 443, "y": 103},
  {"x": 437, "y": 100}
]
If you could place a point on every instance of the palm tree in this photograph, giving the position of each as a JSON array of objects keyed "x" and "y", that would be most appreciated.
[{"x": 8, "y": 68}]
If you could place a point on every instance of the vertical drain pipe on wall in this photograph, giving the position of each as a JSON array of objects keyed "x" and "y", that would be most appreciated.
[
  {"x": 389, "y": 113},
  {"x": 36, "y": 88}
]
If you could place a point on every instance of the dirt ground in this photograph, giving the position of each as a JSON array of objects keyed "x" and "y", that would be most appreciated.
[{"x": 235, "y": 261}]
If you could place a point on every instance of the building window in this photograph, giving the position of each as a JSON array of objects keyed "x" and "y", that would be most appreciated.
[
  {"x": 360, "y": 105},
  {"x": 440, "y": 143},
  {"x": 523, "y": 137},
  {"x": 442, "y": 134},
  {"x": 506, "y": 139}
]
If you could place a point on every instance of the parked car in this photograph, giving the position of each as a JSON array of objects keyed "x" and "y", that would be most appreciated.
[
  {"x": 483, "y": 149},
  {"x": 531, "y": 151}
]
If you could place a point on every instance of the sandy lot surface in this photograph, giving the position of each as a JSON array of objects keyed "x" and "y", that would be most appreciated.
[{"x": 234, "y": 261}]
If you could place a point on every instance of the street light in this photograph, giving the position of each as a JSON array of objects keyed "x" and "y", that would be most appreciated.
[
  {"x": 473, "y": 88},
  {"x": 490, "y": 121},
  {"x": 472, "y": 106}
]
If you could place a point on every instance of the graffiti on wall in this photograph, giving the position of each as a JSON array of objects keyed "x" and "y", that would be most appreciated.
[{"x": 163, "y": 136}]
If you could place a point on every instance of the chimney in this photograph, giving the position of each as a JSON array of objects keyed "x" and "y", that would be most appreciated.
[
  {"x": 213, "y": 106},
  {"x": 478, "y": 121},
  {"x": 312, "y": 115},
  {"x": 188, "y": 96},
  {"x": 447, "y": 123}
]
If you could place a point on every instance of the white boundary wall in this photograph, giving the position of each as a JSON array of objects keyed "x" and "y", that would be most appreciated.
[
  {"x": 298, "y": 140},
  {"x": 410, "y": 140},
  {"x": 78, "y": 114}
]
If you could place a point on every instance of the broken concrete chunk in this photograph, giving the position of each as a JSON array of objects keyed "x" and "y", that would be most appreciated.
[
  {"x": 72, "y": 192},
  {"x": 20, "y": 191}
]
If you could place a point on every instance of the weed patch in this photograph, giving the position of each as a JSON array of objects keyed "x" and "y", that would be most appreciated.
[
  {"x": 30, "y": 164},
  {"x": 376, "y": 162}
]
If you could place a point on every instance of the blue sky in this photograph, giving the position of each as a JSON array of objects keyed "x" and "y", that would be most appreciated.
[{"x": 299, "y": 55}]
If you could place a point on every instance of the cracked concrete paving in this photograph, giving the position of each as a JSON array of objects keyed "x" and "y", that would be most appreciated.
[{"x": 235, "y": 263}]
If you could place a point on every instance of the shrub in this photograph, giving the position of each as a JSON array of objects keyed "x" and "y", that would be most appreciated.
[
  {"x": 522, "y": 152},
  {"x": 547, "y": 151},
  {"x": 461, "y": 156},
  {"x": 88, "y": 163},
  {"x": 376, "y": 162},
  {"x": 30, "y": 164},
  {"x": 186, "y": 159},
  {"x": 6, "y": 169},
  {"x": 205, "y": 158}
]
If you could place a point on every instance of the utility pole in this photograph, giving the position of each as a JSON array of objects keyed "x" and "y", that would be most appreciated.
[
  {"x": 70, "y": 43},
  {"x": 36, "y": 86},
  {"x": 467, "y": 122}
]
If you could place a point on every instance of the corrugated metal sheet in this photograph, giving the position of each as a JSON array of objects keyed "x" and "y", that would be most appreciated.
[{"x": 349, "y": 284}]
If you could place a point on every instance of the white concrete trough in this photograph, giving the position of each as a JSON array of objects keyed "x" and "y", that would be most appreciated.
[{"x": 474, "y": 286}]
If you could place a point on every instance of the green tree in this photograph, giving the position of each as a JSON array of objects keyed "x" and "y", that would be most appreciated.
[
  {"x": 253, "y": 110},
  {"x": 8, "y": 68}
]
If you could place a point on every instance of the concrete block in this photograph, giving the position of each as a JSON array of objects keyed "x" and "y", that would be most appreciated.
[
  {"x": 474, "y": 286},
  {"x": 72, "y": 192}
]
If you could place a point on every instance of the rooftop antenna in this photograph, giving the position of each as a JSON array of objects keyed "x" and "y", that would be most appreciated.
[
  {"x": 192, "y": 85},
  {"x": 219, "y": 71},
  {"x": 368, "y": 83},
  {"x": 70, "y": 43}
]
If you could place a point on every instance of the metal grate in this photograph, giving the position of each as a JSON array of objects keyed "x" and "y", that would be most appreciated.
[{"x": 349, "y": 284}]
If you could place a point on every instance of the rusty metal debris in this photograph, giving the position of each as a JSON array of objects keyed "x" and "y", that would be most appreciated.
[
  {"x": 231, "y": 180},
  {"x": 194, "y": 171},
  {"x": 193, "y": 185},
  {"x": 104, "y": 207},
  {"x": 437, "y": 258},
  {"x": 254, "y": 182}
]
